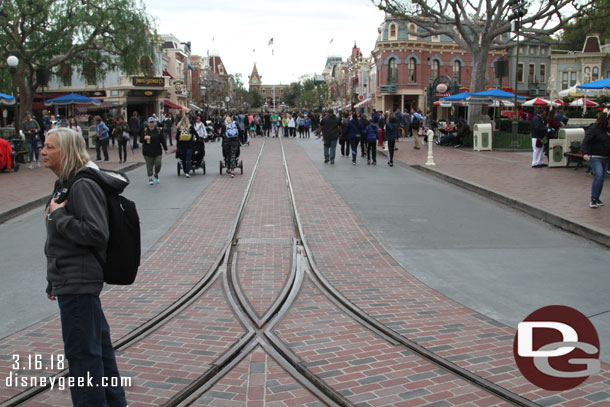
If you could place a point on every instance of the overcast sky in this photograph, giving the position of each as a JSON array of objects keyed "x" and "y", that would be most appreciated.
[{"x": 301, "y": 30}]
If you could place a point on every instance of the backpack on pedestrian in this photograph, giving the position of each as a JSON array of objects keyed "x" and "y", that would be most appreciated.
[
  {"x": 416, "y": 122},
  {"x": 124, "y": 244}
]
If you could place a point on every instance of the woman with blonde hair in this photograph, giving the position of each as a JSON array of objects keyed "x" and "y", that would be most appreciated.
[
  {"x": 230, "y": 144},
  {"x": 185, "y": 137},
  {"x": 77, "y": 235}
]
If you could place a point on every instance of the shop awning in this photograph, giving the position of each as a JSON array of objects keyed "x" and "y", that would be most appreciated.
[
  {"x": 194, "y": 107},
  {"x": 97, "y": 108},
  {"x": 171, "y": 105},
  {"x": 165, "y": 73},
  {"x": 363, "y": 103}
]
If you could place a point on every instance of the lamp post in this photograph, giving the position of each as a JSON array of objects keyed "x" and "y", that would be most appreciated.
[
  {"x": 12, "y": 62},
  {"x": 204, "y": 100},
  {"x": 519, "y": 10}
]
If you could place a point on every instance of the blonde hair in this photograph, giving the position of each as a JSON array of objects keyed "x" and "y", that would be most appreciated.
[
  {"x": 74, "y": 155},
  {"x": 184, "y": 123},
  {"x": 228, "y": 120}
]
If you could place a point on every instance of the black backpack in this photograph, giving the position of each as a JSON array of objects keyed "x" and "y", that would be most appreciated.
[
  {"x": 416, "y": 122},
  {"x": 124, "y": 248}
]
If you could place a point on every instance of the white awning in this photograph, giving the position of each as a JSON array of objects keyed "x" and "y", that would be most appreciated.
[
  {"x": 363, "y": 103},
  {"x": 194, "y": 107}
]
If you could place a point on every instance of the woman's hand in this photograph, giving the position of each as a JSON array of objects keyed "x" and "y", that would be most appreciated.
[{"x": 586, "y": 157}]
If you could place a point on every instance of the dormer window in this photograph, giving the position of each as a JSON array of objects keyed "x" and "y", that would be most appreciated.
[
  {"x": 412, "y": 29},
  {"x": 393, "y": 34}
]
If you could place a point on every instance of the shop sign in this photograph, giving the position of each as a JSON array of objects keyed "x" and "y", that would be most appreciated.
[{"x": 148, "y": 81}]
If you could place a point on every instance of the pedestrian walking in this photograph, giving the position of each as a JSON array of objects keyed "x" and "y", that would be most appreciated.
[
  {"x": 102, "y": 137},
  {"x": 307, "y": 126},
  {"x": 291, "y": 126},
  {"x": 414, "y": 125},
  {"x": 122, "y": 135},
  {"x": 330, "y": 134},
  {"x": 152, "y": 142},
  {"x": 77, "y": 231},
  {"x": 596, "y": 150},
  {"x": 31, "y": 129},
  {"x": 230, "y": 144},
  {"x": 168, "y": 124},
  {"x": 372, "y": 133},
  {"x": 285, "y": 125},
  {"x": 185, "y": 138},
  {"x": 135, "y": 128},
  {"x": 200, "y": 128},
  {"x": 391, "y": 133},
  {"x": 354, "y": 130}
]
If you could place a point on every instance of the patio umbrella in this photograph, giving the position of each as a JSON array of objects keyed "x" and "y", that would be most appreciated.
[
  {"x": 539, "y": 102},
  {"x": 7, "y": 99},
  {"x": 600, "y": 84},
  {"x": 572, "y": 92},
  {"x": 494, "y": 94},
  {"x": 458, "y": 97},
  {"x": 560, "y": 102},
  {"x": 71, "y": 99},
  {"x": 583, "y": 102}
]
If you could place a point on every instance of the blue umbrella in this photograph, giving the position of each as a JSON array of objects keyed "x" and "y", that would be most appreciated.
[
  {"x": 70, "y": 99},
  {"x": 494, "y": 94},
  {"x": 458, "y": 97},
  {"x": 600, "y": 84},
  {"x": 6, "y": 99}
]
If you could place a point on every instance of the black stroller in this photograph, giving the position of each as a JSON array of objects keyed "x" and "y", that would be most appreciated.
[
  {"x": 228, "y": 149},
  {"x": 197, "y": 161}
]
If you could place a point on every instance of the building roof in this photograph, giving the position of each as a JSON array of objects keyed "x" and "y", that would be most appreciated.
[{"x": 591, "y": 44}]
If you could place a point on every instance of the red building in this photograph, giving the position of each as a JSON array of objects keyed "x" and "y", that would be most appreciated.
[{"x": 406, "y": 65}]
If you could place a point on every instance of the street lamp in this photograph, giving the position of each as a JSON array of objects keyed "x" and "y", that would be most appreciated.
[
  {"x": 519, "y": 10},
  {"x": 12, "y": 62}
]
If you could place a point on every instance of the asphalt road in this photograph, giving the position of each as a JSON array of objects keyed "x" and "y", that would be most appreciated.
[
  {"x": 484, "y": 255},
  {"x": 23, "y": 300}
]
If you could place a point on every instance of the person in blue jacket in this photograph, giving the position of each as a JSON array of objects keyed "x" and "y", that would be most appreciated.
[
  {"x": 372, "y": 134},
  {"x": 354, "y": 128},
  {"x": 102, "y": 136}
]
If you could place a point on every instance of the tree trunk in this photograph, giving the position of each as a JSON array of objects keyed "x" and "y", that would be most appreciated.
[{"x": 478, "y": 81}]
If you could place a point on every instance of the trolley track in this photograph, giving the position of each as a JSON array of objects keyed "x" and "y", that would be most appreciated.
[{"x": 260, "y": 330}]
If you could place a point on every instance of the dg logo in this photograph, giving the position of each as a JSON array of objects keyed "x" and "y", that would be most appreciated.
[{"x": 557, "y": 348}]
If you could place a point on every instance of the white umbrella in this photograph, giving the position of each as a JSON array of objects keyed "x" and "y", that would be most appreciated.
[
  {"x": 540, "y": 102},
  {"x": 583, "y": 102},
  {"x": 573, "y": 92}
]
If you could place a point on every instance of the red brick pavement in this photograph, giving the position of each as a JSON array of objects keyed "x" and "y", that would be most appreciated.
[
  {"x": 562, "y": 191},
  {"x": 358, "y": 266},
  {"x": 266, "y": 233},
  {"x": 26, "y": 185},
  {"x": 364, "y": 367},
  {"x": 257, "y": 381},
  {"x": 168, "y": 270}
]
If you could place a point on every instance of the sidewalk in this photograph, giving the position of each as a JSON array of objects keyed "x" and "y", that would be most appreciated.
[
  {"x": 559, "y": 196},
  {"x": 28, "y": 188}
]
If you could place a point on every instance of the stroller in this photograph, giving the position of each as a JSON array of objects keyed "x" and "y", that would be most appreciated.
[
  {"x": 229, "y": 148},
  {"x": 197, "y": 161},
  {"x": 8, "y": 156}
]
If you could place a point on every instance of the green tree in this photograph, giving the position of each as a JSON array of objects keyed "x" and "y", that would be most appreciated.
[
  {"x": 91, "y": 36},
  {"x": 255, "y": 99},
  {"x": 574, "y": 34},
  {"x": 481, "y": 26}
]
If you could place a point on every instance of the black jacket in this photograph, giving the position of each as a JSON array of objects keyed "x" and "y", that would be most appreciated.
[
  {"x": 74, "y": 229},
  {"x": 330, "y": 127},
  {"x": 596, "y": 142},
  {"x": 152, "y": 149},
  {"x": 391, "y": 130},
  {"x": 189, "y": 143},
  {"x": 539, "y": 129}
]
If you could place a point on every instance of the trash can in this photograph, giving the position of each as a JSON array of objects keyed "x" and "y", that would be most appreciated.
[
  {"x": 561, "y": 145},
  {"x": 482, "y": 137}
]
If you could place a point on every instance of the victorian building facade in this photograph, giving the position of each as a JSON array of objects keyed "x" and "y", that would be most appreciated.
[
  {"x": 406, "y": 64},
  {"x": 272, "y": 94}
]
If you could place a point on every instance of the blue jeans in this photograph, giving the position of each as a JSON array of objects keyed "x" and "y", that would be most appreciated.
[
  {"x": 354, "y": 143},
  {"x": 186, "y": 154},
  {"x": 599, "y": 165},
  {"x": 89, "y": 351},
  {"x": 330, "y": 147}
]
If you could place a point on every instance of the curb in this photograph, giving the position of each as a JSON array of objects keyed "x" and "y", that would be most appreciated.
[
  {"x": 28, "y": 206},
  {"x": 588, "y": 232}
]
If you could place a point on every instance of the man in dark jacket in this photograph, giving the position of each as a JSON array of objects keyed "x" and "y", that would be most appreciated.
[
  {"x": 390, "y": 134},
  {"x": 330, "y": 134},
  {"x": 135, "y": 128},
  {"x": 77, "y": 226},
  {"x": 539, "y": 131}
]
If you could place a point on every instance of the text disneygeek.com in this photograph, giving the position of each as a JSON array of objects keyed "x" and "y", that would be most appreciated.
[{"x": 61, "y": 383}]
